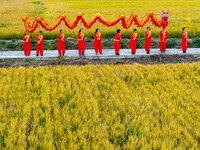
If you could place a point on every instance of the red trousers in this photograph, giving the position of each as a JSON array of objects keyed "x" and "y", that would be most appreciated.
[
  {"x": 98, "y": 47},
  {"x": 133, "y": 45},
  {"x": 61, "y": 47},
  {"x": 27, "y": 52},
  {"x": 81, "y": 47},
  {"x": 163, "y": 46},
  {"x": 184, "y": 45},
  {"x": 61, "y": 51},
  {"x": 27, "y": 49},
  {"x": 117, "y": 47},
  {"x": 39, "y": 49},
  {"x": 147, "y": 45},
  {"x": 81, "y": 51}
]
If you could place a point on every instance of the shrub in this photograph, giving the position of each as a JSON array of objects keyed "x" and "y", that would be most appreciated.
[{"x": 11, "y": 45}]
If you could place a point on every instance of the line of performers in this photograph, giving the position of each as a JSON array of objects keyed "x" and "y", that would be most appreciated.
[{"x": 98, "y": 42}]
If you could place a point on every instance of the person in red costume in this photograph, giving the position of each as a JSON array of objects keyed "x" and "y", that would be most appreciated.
[
  {"x": 61, "y": 43},
  {"x": 81, "y": 43},
  {"x": 40, "y": 44},
  {"x": 27, "y": 44},
  {"x": 148, "y": 37},
  {"x": 97, "y": 42},
  {"x": 117, "y": 40},
  {"x": 184, "y": 42},
  {"x": 163, "y": 40},
  {"x": 133, "y": 41}
]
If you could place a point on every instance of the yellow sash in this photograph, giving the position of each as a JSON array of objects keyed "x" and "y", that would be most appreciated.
[
  {"x": 27, "y": 38},
  {"x": 134, "y": 36},
  {"x": 164, "y": 34},
  {"x": 63, "y": 36},
  {"x": 149, "y": 33},
  {"x": 82, "y": 36},
  {"x": 185, "y": 35},
  {"x": 99, "y": 36},
  {"x": 40, "y": 39}
]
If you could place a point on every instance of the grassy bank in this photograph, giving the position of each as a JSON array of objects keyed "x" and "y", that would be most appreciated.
[{"x": 66, "y": 61}]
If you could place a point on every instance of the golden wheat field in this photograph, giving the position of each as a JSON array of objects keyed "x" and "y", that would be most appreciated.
[
  {"x": 182, "y": 12},
  {"x": 100, "y": 107}
]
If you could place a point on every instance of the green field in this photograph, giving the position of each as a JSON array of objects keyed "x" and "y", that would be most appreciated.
[{"x": 11, "y": 10}]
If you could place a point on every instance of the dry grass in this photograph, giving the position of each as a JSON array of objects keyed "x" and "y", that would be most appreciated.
[{"x": 100, "y": 107}]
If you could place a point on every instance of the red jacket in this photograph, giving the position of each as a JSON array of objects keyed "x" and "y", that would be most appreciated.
[
  {"x": 117, "y": 40},
  {"x": 97, "y": 39},
  {"x": 133, "y": 40},
  {"x": 81, "y": 42},
  {"x": 184, "y": 36},
  {"x": 163, "y": 36},
  {"x": 184, "y": 42},
  {"x": 40, "y": 39},
  {"x": 118, "y": 37},
  {"x": 147, "y": 43},
  {"x": 148, "y": 35},
  {"x": 61, "y": 41},
  {"x": 134, "y": 36},
  {"x": 27, "y": 42},
  {"x": 61, "y": 37}
]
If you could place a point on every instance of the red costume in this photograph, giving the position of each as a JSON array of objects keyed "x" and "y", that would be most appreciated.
[
  {"x": 39, "y": 45},
  {"x": 147, "y": 44},
  {"x": 165, "y": 16},
  {"x": 61, "y": 44},
  {"x": 81, "y": 43},
  {"x": 133, "y": 42},
  {"x": 184, "y": 43},
  {"x": 27, "y": 45},
  {"x": 117, "y": 40},
  {"x": 163, "y": 40},
  {"x": 97, "y": 43}
]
